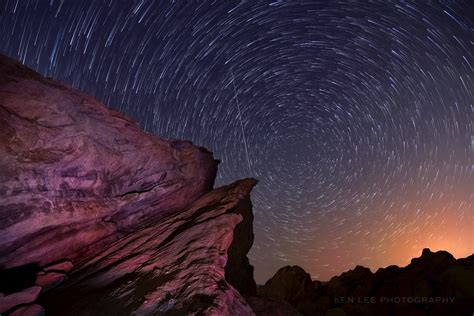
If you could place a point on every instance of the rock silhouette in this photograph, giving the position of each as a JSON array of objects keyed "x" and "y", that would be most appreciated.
[
  {"x": 433, "y": 284},
  {"x": 293, "y": 285}
]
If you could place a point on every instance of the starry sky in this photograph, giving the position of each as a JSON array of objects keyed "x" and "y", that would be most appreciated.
[{"x": 355, "y": 116}]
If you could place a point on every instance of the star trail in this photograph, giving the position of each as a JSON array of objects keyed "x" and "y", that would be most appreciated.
[{"x": 355, "y": 116}]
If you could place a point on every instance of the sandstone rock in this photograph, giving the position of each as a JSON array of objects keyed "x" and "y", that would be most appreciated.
[
  {"x": 26, "y": 296},
  {"x": 175, "y": 266},
  {"x": 132, "y": 219},
  {"x": 64, "y": 266},
  {"x": 50, "y": 280},
  {"x": 75, "y": 175}
]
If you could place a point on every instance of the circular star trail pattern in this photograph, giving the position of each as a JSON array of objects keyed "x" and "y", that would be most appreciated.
[{"x": 354, "y": 116}]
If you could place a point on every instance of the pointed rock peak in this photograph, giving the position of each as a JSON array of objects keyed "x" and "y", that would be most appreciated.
[{"x": 426, "y": 252}]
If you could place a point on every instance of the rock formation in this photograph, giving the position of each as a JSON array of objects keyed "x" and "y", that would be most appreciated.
[
  {"x": 99, "y": 217},
  {"x": 175, "y": 266},
  {"x": 433, "y": 284},
  {"x": 293, "y": 285},
  {"x": 266, "y": 306},
  {"x": 76, "y": 172}
]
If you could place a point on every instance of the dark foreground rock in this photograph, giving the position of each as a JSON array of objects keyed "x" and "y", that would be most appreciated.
[
  {"x": 433, "y": 284},
  {"x": 100, "y": 218},
  {"x": 265, "y": 306}
]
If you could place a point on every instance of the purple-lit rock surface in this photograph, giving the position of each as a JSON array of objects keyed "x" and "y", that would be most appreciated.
[
  {"x": 73, "y": 172},
  {"x": 174, "y": 266},
  {"x": 29, "y": 295},
  {"x": 108, "y": 219}
]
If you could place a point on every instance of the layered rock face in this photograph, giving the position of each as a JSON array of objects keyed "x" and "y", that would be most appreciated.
[
  {"x": 100, "y": 218},
  {"x": 433, "y": 284},
  {"x": 173, "y": 267},
  {"x": 74, "y": 172}
]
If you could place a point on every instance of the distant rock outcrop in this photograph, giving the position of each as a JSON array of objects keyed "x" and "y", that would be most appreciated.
[
  {"x": 293, "y": 285},
  {"x": 173, "y": 267},
  {"x": 433, "y": 284},
  {"x": 99, "y": 217}
]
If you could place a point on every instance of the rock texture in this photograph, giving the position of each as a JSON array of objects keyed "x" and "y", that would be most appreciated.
[
  {"x": 73, "y": 172},
  {"x": 26, "y": 296},
  {"x": 174, "y": 266},
  {"x": 433, "y": 284},
  {"x": 100, "y": 218}
]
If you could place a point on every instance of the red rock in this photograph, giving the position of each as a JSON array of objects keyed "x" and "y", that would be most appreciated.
[
  {"x": 174, "y": 266},
  {"x": 65, "y": 266},
  {"x": 50, "y": 280},
  {"x": 133, "y": 214},
  {"x": 29, "y": 310},
  {"x": 74, "y": 173},
  {"x": 26, "y": 296}
]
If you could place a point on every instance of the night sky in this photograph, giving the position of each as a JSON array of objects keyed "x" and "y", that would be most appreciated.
[{"x": 355, "y": 117}]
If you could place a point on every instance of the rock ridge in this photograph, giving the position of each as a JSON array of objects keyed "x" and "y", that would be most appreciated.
[{"x": 416, "y": 289}]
